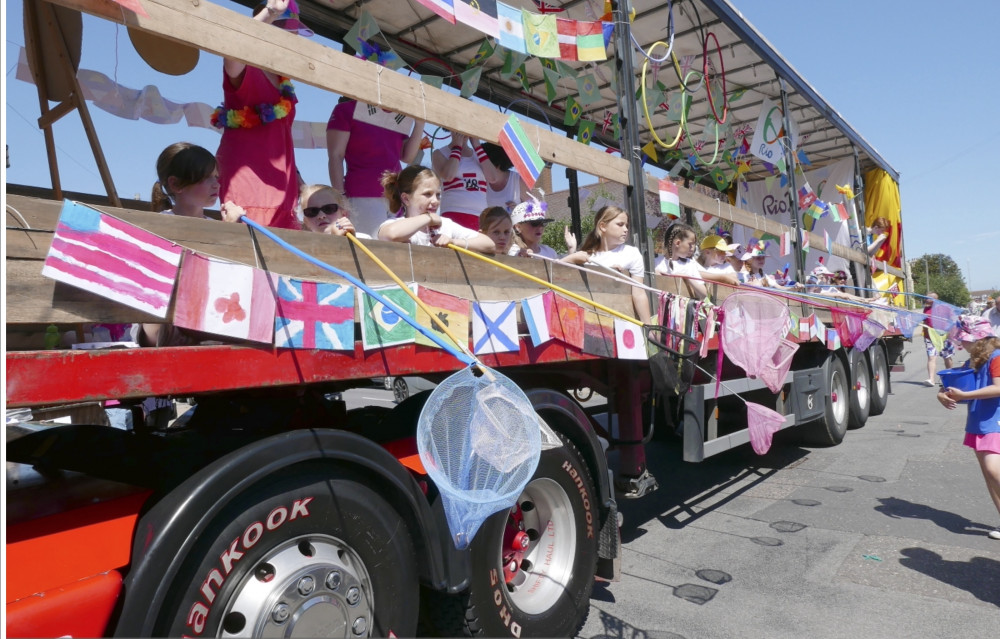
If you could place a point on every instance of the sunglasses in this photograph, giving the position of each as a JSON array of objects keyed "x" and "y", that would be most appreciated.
[
  {"x": 536, "y": 223},
  {"x": 313, "y": 211}
]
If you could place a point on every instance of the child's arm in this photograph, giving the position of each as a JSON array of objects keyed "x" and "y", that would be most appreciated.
[
  {"x": 400, "y": 230},
  {"x": 641, "y": 304},
  {"x": 986, "y": 392},
  {"x": 477, "y": 242},
  {"x": 577, "y": 257}
]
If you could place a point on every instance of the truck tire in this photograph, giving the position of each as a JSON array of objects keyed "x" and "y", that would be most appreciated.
[
  {"x": 314, "y": 553},
  {"x": 861, "y": 391},
  {"x": 880, "y": 379},
  {"x": 830, "y": 429},
  {"x": 548, "y": 595}
]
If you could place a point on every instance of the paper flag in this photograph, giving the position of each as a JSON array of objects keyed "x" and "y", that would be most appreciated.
[
  {"x": 802, "y": 158},
  {"x": 805, "y": 240},
  {"x": 598, "y": 334},
  {"x": 567, "y": 322},
  {"x": 444, "y": 8},
  {"x": 483, "y": 53},
  {"x": 677, "y": 103},
  {"x": 470, "y": 81},
  {"x": 573, "y": 111},
  {"x": 630, "y": 343},
  {"x": 719, "y": 179},
  {"x": 805, "y": 325},
  {"x": 380, "y": 325},
  {"x": 494, "y": 327},
  {"x": 545, "y": 7},
  {"x": 670, "y": 201},
  {"x": 450, "y": 310},
  {"x": 832, "y": 339},
  {"x": 704, "y": 220},
  {"x": 363, "y": 30},
  {"x": 818, "y": 330},
  {"x": 793, "y": 324},
  {"x": 566, "y": 35},
  {"x": 521, "y": 73},
  {"x": 538, "y": 312},
  {"x": 511, "y": 28},
  {"x": 786, "y": 243},
  {"x": 551, "y": 79},
  {"x": 540, "y": 35},
  {"x": 826, "y": 242},
  {"x": 433, "y": 80},
  {"x": 133, "y": 6},
  {"x": 224, "y": 298},
  {"x": 585, "y": 131},
  {"x": 314, "y": 315},
  {"x": 587, "y": 87},
  {"x": 112, "y": 258},
  {"x": 521, "y": 152},
  {"x": 841, "y": 210},
  {"x": 608, "y": 30},
  {"x": 806, "y": 196},
  {"x": 590, "y": 42},
  {"x": 478, "y": 14},
  {"x": 650, "y": 151}
]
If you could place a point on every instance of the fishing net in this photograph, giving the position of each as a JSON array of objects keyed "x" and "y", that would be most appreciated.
[
  {"x": 479, "y": 440},
  {"x": 753, "y": 329},
  {"x": 781, "y": 362},
  {"x": 763, "y": 423}
]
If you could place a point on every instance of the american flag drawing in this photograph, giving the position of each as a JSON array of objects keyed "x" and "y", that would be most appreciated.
[
  {"x": 112, "y": 258},
  {"x": 545, "y": 7},
  {"x": 314, "y": 315}
]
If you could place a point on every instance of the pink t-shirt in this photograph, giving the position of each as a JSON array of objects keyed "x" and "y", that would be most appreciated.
[
  {"x": 257, "y": 165},
  {"x": 373, "y": 147}
]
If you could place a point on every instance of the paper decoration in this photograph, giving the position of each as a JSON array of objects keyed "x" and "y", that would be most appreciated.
[
  {"x": 478, "y": 14},
  {"x": 444, "y": 8},
  {"x": 802, "y": 158},
  {"x": 793, "y": 324},
  {"x": 538, "y": 316},
  {"x": 551, "y": 79},
  {"x": 598, "y": 334},
  {"x": 565, "y": 70},
  {"x": 494, "y": 327},
  {"x": 805, "y": 325},
  {"x": 704, "y": 220},
  {"x": 313, "y": 315},
  {"x": 566, "y": 36},
  {"x": 380, "y": 325},
  {"x": 841, "y": 211},
  {"x": 521, "y": 73},
  {"x": 363, "y": 30},
  {"x": 224, "y": 298},
  {"x": 630, "y": 343},
  {"x": 719, "y": 179},
  {"x": 806, "y": 195},
  {"x": 650, "y": 151},
  {"x": 587, "y": 87},
  {"x": 573, "y": 111},
  {"x": 677, "y": 103},
  {"x": 804, "y": 240},
  {"x": 450, "y": 310},
  {"x": 769, "y": 133},
  {"x": 433, "y": 80},
  {"x": 590, "y": 42},
  {"x": 818, "y": 330},
  {"x": 786, "y": 243},
  {"x": 545, "y": 7},
  {"x": 567, "y": 322},
  {"x": 133, "y": 6},
  {"x": 608, "y": 31},
  {"x": 511, "y": 28},
  {"x": 540, "y": 35},
  {"x": 585, "y": 131},
  {"x": 384, "y": 56},
  {"x": 383, "y": 118},
  {"x": 112, "y": 258},
  {"x": 483, "y": 53},
  {"x": 470, "y": 81},
  {"x": 826, "y": 242},
  {"x": 512, "y": 61},
  {"x": 522, "y": 154},
  {"x": 670, "y": 199}
]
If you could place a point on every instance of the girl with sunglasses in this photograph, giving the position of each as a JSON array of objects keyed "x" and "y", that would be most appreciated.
[
  {"x": 325, "y": 210},
  {"x": 529, "y": 219}
]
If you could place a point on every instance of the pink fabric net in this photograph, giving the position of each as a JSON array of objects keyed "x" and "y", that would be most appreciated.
[
  {"x": 850, "y": 326},
  {"x": 753, "y": 329},
  {"x": 763, "y": 423}
]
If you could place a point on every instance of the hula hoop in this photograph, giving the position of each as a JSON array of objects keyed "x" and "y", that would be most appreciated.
[
  {"x": 670, "y": 37},
  {"x": 715, "y": 155},
  {"x": 645, "y": 105},
  {"x": 681, "y": 78},
  {"x": 722, "y": 72}
]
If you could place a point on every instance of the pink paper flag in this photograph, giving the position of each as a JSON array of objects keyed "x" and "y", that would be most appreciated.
[
  {"x": 444, "y": 8},
  {"x": 134, "y": 6},
  {"x": 786, "y": 243},
  {"x": 224, "y": 298},
  {"x": 842, "y": 212}
]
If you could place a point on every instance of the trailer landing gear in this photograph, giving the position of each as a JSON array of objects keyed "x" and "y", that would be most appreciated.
[{"x": 636, "y": 487}]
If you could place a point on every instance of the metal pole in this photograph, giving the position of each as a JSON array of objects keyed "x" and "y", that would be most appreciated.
[
  {"x": 628, "y": 116},
  {"x": 792, "y": 188},
  {"x": 927, "y": 276},
  {"x": 575, "y": 224}
]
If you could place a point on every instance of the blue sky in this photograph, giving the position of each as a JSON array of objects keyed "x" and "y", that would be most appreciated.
[{"x": 910, "y": 76}]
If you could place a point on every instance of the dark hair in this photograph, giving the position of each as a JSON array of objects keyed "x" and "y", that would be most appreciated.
[
  {"x": 185, "y": 162},
  {"x": 497, "y": 156},
  {"x": 490, "y": 216},
  {"x": 395, "y": 184},
  {"x": 674, "y": 231},
  {"x": 592, "y": 242},
  {"x": 980, "y": 351}
]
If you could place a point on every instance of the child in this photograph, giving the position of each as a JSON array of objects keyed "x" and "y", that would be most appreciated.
[
  {"x": 465, "y": 171},
  {"x": 495, "y": 223},
  {"x": 714, "y": 254},
  {"x": 605, "y": 245},
  {"x": 753, "y": 267},
  {"x": 982, "y": 426},
  {"x": 679, "y": 245},
  {"x": 325, "y": 210},
  {"x": 415, "y": 193},
  {"x": 187, "y": 180},
  {"x": 529, "y": 219}
]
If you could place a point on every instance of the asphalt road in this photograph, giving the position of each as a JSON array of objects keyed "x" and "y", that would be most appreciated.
[{"x": 881, "y": 536}]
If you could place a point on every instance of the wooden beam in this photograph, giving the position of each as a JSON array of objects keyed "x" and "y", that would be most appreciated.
[{"x": 226, "y": 33}]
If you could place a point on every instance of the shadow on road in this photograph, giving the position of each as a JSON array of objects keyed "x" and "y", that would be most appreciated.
[
  {"x": 615, "y": 628},
  {"x": 978, "y": 576},
  {"x": 903, "y": 509}
]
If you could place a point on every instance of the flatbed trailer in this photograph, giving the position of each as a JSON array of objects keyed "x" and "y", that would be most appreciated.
[{"x": 273, "y": 509}]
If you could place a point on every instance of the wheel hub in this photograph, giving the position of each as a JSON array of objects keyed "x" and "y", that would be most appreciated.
[{"x": 312, "y": 586}]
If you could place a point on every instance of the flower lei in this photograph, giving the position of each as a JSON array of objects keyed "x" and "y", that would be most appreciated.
[{"x": 249, "y": 117}]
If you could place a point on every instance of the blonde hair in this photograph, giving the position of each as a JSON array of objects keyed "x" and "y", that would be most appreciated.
[
  {"x": 309, "y": 190},
  {"x": 592, "y": 242},
  {"x": 981, "y": 350},
  {"x": 405, "y": 181},
  {"x": 187, "y": 163},
  {"x": 491, "y": 216}
]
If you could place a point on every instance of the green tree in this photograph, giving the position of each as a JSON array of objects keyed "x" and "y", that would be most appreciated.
[{"x": 945, "y": 279}]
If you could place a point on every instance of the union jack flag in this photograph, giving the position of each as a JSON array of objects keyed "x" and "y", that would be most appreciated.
[
  {"x": 608, "y": 120},
  {"x": 545, "y": 7}
]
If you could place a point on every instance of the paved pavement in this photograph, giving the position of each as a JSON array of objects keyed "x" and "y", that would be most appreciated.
[{"x": 881, "y": 536}]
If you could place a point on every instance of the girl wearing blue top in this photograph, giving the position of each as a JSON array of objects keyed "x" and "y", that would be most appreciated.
[{"x": 982, "y": 427}]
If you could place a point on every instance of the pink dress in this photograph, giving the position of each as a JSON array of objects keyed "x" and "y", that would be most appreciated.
[{"x": 257, "y": 165}]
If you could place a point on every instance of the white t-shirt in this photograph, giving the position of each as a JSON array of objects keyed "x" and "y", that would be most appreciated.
[
  {"x": 723, "y": 269},
  {"x": 448, "y": 227},
  {"x": 543, "y": 249},
  {"x": 688, "y": 267},
  {"x": 625, "y": 256},
  {"x": 509, "y": 196}
]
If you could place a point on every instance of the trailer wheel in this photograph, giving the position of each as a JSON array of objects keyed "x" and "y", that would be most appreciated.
[
  {"x": 830, "y": 429},
  {"x": 861, "y": 391},
  {"x": 310, "y": 554},
  {"x": 880, "y": 379},
  {"x": 532, "y": 566}
]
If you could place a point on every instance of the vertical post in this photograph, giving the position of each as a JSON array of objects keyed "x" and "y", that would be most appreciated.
[
  {"x": 628, "y": 116},
  {"x": 31, "y": 22},
  {"x": 927, "y": 276},
  {"x": 576, "y": 224},
  {"x": 857, "y": 216},
  {"x": 793, "y": 190}
]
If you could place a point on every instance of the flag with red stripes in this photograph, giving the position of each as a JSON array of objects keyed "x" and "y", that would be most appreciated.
[
  {"x": 545, "y": 7},
  {"x": 566, "y": 31}
]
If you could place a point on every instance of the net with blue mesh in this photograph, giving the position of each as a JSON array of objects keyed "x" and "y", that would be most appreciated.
[{"x": 479, "y": 440}]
